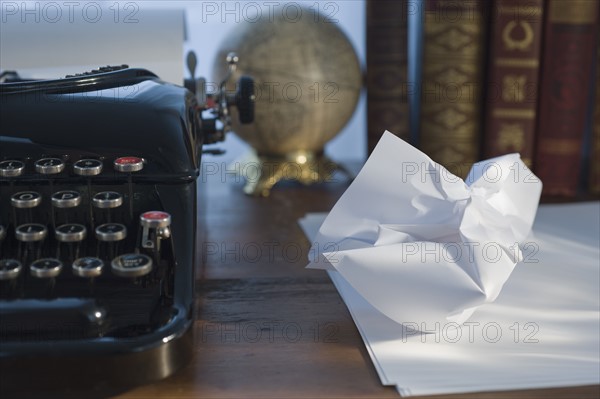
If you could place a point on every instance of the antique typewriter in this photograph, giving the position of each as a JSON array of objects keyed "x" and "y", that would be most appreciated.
[{"x": 97, "y": 223}]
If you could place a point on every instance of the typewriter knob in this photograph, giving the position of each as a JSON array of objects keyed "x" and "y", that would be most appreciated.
[
  {"x": 46, "y": 268},
  {"x": 88, "y": 266},
  {"x": 49, "y": 166},
  {"x": 11, "y": 168},
  {"x": 87, "y": 167},
  {"x": 129, "y": 164},
  {"x": 9, "y": 269},
  {"x": 26, "y": 199},
  {"x": 2, "y": 232},
  {"x": 244, "y": 100}
]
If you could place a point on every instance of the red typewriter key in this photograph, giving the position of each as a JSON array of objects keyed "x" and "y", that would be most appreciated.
[
  {"x": 155, "y": 219},
  {"x": 11, "y": 168},
  {"x": 129, "y": 164}
]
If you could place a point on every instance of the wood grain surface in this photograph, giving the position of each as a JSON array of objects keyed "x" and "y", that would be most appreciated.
[{"x": 266, "y": 326}]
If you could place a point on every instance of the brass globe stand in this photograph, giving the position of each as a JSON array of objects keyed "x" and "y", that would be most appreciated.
[{"x": 262, "y": 172}]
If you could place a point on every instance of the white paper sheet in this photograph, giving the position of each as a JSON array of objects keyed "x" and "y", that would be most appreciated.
[
  {"x": 542, "y": 331},
  {"x": 408, "y": 230},
  {"x": 50, "y": 40}
]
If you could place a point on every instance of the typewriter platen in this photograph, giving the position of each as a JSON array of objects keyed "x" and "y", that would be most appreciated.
[{"x": 97, "y": 224}]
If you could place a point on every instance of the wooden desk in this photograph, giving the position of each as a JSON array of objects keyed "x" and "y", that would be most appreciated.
[{"x": 267, "y": 327}]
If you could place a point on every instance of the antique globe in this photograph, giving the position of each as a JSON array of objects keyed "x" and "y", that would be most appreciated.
[{"x": 307, "y": 84}]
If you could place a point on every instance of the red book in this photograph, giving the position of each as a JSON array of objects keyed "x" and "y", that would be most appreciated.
[
  {"x": 595, "y": 153},
  {"x": 387, "y": 99},
  {"x": 513, "y": 78},
  {"x": 568, "y": 58}
]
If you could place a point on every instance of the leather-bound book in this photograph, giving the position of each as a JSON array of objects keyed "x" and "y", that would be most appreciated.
[
  {"x": 387, "y": 102},
  {"x": 568, "y": 58},
  {"x": 452, "y": 82},
  {"x": 513, "y": 78},
  {"x": 595, "y": 153}
]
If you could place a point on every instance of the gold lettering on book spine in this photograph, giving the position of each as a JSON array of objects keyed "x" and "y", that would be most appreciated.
[
  {"x": 513, "y": 41},
  {"x": 576, "y": 12}
]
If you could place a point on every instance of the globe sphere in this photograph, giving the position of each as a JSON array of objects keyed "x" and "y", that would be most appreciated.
[{"x": 307, "y": 80}]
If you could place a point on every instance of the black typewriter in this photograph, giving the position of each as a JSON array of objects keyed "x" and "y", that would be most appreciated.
[{"x": 97, "y": 224}]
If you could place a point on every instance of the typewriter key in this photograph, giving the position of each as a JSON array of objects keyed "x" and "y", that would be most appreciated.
[
  {"x": 49, "y": 166},
  {"x": 159, "y": 222},
  {"x": 26, "y": 199},
  {"x": 9, "y": 269},
  {"x": 87, "y": 167},
  {"x": 88, "y": 266},
  {"x": 71, "y": 232},
  {"x": 46, "y": 268},
  {"x": 111, "y": 232},
  {"x": 31, "y": 232},
  {"x": 11, "y": 168},
  {"x": 132, "y": 265},
  {"x": 66, "y": 199},
  {"x": 129, "y": 164},
  {"x": 107, "y": 200}
]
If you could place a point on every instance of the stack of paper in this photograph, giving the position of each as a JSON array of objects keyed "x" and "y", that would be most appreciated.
[{"x": 542, "y": 330}]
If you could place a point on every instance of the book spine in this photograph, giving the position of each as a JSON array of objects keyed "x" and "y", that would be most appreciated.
[
  {"x": 595, "y": 152},
  {"x": 513, "y": 78},
  {"x": 568, "y": 57},
  {"x": 452, "y": 82},
  {"x": 386, "y": 51}
]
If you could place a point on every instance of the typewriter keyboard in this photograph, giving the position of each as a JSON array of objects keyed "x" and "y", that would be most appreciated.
[{"x": 83, "y": 231}]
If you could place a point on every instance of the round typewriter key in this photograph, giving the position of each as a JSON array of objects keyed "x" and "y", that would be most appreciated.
[
  {"x": 11, "y": 168},
  {"x": 129, "y": 164},
  {"x": 66, "y": 199},
  {"x": 155, "y": 219},
  {"x": 31, "y": 232},
  {"x": 111, "y": 232},
  {"x": 2, "y": 232},
  {"x": 9, "y": 269},
  {"x": 26, "y": 199},
  {"x": 46, "y": 268},
  {"x": 87, "y": 167},
  {"x": 71, "y": 232},
  {"x": 132, "y": 265},
  {"x": 107, "y": 199},
  {"x": 49, "y": 166},
  {"x": 88, "y": 266}
]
